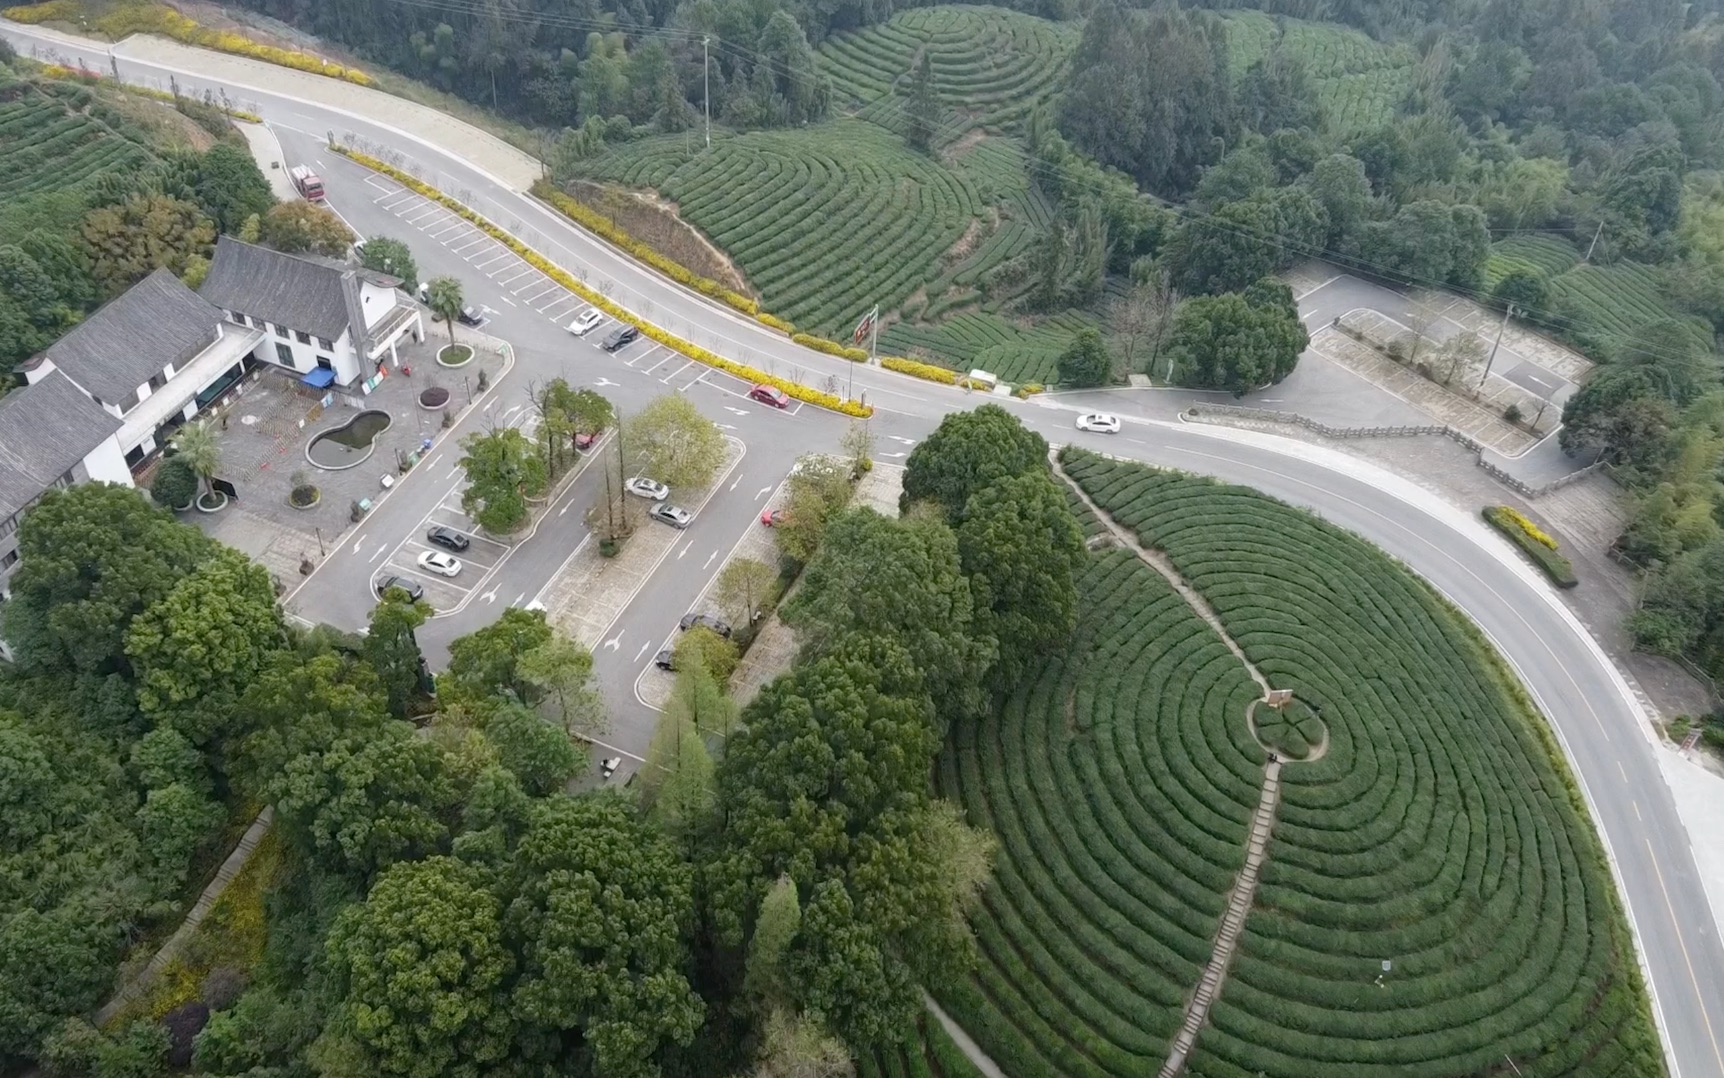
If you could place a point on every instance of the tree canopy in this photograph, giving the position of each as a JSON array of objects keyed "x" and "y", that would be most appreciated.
[{"x": 966, "y": 452}]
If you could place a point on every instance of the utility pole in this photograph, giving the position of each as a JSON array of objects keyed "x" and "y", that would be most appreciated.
[
  {"x": 1594, "y": 242},
  {"x": 706, "y": 89},
  {"x": 1493, "y": 356}
]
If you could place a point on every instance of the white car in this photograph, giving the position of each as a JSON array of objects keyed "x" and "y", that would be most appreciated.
[
  {"x": 435, "y": 561},
  {"x": 585, "y": 321},
  {"x": 1099, "y": 422},
  {"x": 642, "y": 487}
]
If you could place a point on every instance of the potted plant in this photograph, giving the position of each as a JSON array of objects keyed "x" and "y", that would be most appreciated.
[
  {"x": 175, "y": 485},
  {"x": 304, "y": 494},
  {"x": 196, "y": 444}
]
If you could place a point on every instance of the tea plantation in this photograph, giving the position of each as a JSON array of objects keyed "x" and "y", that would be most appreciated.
[
  {"x": 990, "y": 66},
  {"x": 51, "y": 141},
  {"x": 825, "y": 222},
  {"x": 1609, "y": 303},
  {"x": 1359, "y": 81},
  {"x": 1438, "y": 831}
]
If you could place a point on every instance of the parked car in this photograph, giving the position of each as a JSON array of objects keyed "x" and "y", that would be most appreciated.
[
  {"x": 674, "y": 515},
  {"x": 471, "y": 316},
  {"x": 435, "y": 561},
  {"x": 448, "y": 538},
  {"x": 664, "y": 660},
  {"x": 411, "y": 587},
  {"x": 772, "y": 518},
  {"x": 619, "y": 337},
  {"x": 642, "y": 487},
  {"x": 705, "y": 621},
  {"x": 584, "y": 442},
  {"x": 772, "y": 395},
  {"x": 585, "y": 321},
  {"x": 1099, "y": 422}
]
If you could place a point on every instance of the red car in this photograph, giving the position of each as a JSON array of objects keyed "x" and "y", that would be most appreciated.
[
  {"x": 770, "y": 395},
  {"x": 774, "y": 517},
  {"x": 584, "y": 442}
]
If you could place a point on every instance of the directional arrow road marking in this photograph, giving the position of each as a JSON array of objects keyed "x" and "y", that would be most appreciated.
[
  {"x": 733, "y": 483},
  {"x": 736, "y": 411},
  {"x": 518, "y": 599},
  {"x": 905, "y": 441},
  {"x": 490, "y": 596},
  {"x": 642, "y": 651},
  {"x": 602, "y": 382},
  {"x": 892, "y": 454},
  {"x": 682, "y": 553},
  {"x": 616, "y": 641},
  {"x": 709, "y": 558},
  {"x": 726, "y": 426},
  {"x": 764, "y": 491}
]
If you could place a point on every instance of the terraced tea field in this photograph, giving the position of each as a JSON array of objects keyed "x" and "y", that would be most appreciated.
[
  {"x": 1550, "y": 256},
  {"x": 48, "y": 144},
  {"x": 1437, "y": 831},
  {"x": 825, "y": 222},
  {"x": 991, "y": 66},
  {"x": 1359, "y": 80},
  {"x": 1614, "y": 302},
  {"x": 972, "y": 340},
  {"x": 926, "y": 1053}
]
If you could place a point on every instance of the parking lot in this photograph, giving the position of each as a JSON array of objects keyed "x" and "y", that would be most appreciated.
[
  {"x": 528, "y": 287},
  {"x": 444, "y": 594}
]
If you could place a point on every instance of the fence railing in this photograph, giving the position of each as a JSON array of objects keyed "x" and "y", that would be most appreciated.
[{"x": 1208, "y": 413}]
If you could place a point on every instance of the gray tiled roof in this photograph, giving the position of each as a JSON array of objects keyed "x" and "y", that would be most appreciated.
[
  {"x": 295, "y": 291},
  {"x": 130, "y": 339},
  {"x": 45, "y": 428}
]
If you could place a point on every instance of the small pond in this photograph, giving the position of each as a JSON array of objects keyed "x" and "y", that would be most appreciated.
[{"x": 349, "y": 444}]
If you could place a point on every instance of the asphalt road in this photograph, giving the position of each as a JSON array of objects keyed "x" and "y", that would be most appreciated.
[{"x": 1591, "y": 709}]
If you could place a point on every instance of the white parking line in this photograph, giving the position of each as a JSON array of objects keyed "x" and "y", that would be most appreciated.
[
  {"x": 529, "y": 284},
  {"x": 523, "y": 271},
  {"x": 548, "y": 286},
  {"x": 389, "y": 202},
  {"x": 476, "y": 240},
  {"x": 446, "y": 229},
  {"x": 494, "y": 258},
  {"x": 666, "y": 379},
  {"x": 558, "y": 302}
]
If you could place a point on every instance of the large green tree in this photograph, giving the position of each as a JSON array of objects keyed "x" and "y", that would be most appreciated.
[
  {"x": 1150, "y": 93},
  {"x": 385, "y": 254},
  {"x": 966, "y": 452},
  {"x": 298, "y": 705},
  {"x": 92, "y": 558},
  {"x": 900, "y": 580},
  {"x": 503, "y": 471},
  {"x": 486, "y": 662},
  {"x": 197, "y": 648},
  {"x": 540, "y": 754},
  {"x": 669, "y": 440},
  {"x": 1021, "y": 547},
  {"x": 364, "y": 803},
  {"x": 393, "y": 649},
  {"x": 599, "y": 911},
  {"x": 1231, "y": 342},
  {"x": 127, "y": 241},
  {"x": 300, "y": 227},
  {"x": 421, "y": 969},
  {"x": 230, "y": 187},
  {"x": 1085, "y": 362}
]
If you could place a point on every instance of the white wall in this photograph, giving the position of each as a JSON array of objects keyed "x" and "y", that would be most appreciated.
[
  {"x": 107, "y": 463},
  {"x": 305, "y": 355},
  {"x": 375, "y": 302}
]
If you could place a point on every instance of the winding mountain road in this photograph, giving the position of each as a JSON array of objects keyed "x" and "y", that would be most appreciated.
[{"x": 1592, "y": 710}]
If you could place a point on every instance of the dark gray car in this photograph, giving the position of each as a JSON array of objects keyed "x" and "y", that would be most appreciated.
[
  {"x": 620, "y": 336},
  {"x": 411, "y": 587}
]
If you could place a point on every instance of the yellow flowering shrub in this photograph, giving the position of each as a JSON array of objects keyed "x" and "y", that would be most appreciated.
[
  {"x": 775, "y": 322},
  {"x": 39, "y": 13},
  {"x": 1030, "y": 389},
  {"x": 1533, "y": 531},
  {"x": 148, "y": 18},
  {"x": 606, "y": 229},
  {"x": 831, "y": 348},
  {"x": 926, "y": 371},
  {"x": 558, "y": 274}
]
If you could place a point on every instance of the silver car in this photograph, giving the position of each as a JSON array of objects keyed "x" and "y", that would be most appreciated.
[{"x": 674, "y": 515}]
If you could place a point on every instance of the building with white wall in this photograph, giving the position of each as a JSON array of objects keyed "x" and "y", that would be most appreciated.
[
  {"x": 329, "y": 322},
  {"x": 151, "y": 358}
]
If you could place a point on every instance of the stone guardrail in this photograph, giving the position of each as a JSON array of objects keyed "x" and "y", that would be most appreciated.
[{"x": 1212, "y": 413}]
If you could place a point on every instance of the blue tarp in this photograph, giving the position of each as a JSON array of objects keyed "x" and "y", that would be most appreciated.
[{"x": 319, "y": 378}]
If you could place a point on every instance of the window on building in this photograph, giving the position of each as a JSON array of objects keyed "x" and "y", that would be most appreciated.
[
  {"x": 304, "y": 337},
  {"x": 280, "y": 330},
  {"x": 283, "y": 354},
  {"x": 326, "y": 344},
  {"x": 237, "y": 317},
  {"x": 326, "y": 363},
  {"x": 8, "y": 559},
  {"x": 135, "y": 456},
  {"x": 158, "y": 380}
]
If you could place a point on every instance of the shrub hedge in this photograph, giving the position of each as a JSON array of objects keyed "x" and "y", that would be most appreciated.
[
  {"x": 567, "y": 280},
  {"x": 1532, "y": 541},
  {"x": 831, "y": 348}
]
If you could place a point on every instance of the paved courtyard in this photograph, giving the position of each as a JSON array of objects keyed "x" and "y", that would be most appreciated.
[{"x": 265, "y": 431}]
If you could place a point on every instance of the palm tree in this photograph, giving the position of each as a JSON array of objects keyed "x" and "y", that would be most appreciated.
[
  {"x": 196, "y": 444},
  {"x": 446, "y": 302}
]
